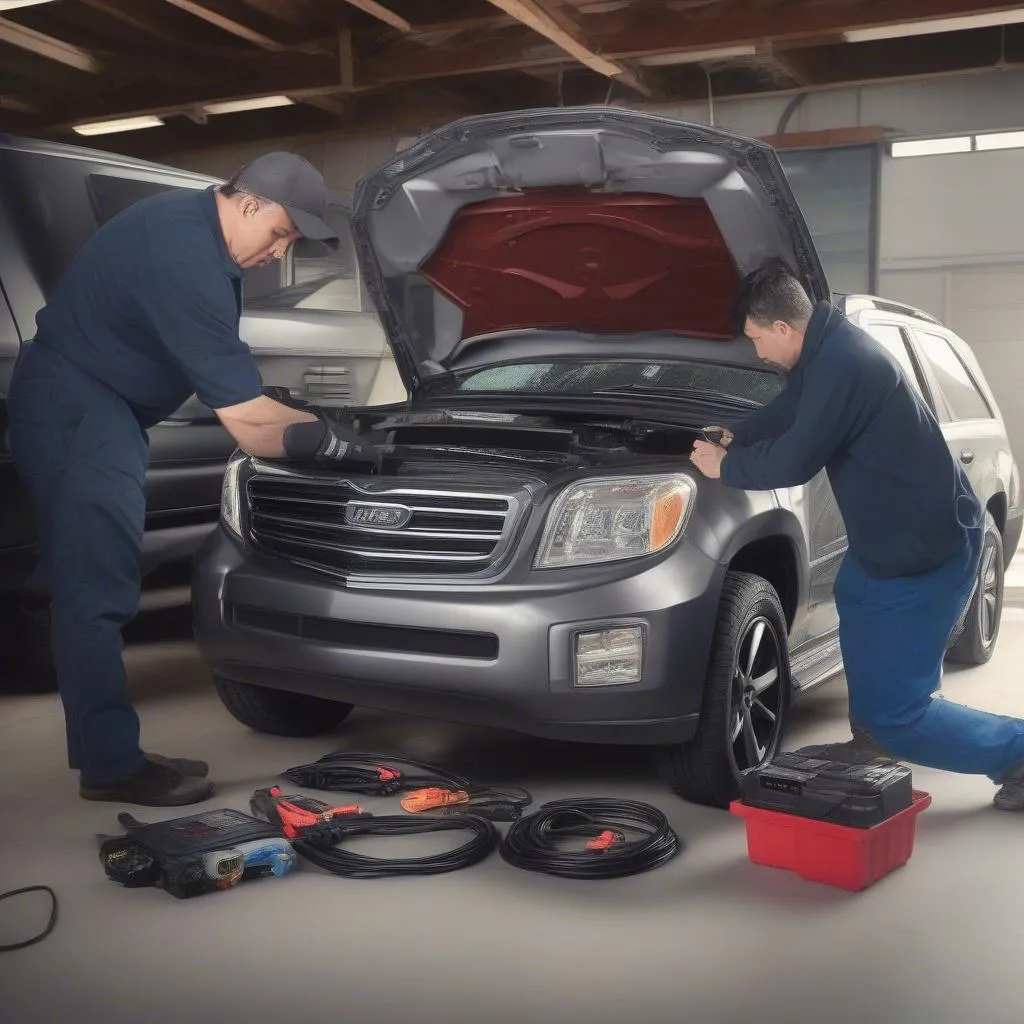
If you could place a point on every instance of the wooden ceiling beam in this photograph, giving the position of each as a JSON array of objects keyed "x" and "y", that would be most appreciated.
[
  {"x": 153, "y": 21},
  {"x": 46, "y": 46},
  {"x": 622, "y": 35},
  {"x": 563, "y": 31},
  {"x": 381, "y": 13},
  {"x": 264, "y": 32}
]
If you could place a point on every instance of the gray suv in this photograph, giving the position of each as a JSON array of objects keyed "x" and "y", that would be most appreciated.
[{"x": 537, "y": 553}]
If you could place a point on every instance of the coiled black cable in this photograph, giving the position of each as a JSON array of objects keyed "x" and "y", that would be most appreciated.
[
  {"x": 372, "y": 774},
  {"x": 50, "y": 925},
  {"x": 320, "y": 845},
  {"x": 532, "y": 843}
]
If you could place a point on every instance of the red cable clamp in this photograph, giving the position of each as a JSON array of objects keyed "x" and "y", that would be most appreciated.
[{"x": 605, "y": 840}]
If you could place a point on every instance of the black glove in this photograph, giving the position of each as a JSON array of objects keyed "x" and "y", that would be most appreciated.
[{"x": 340, "y": 446}]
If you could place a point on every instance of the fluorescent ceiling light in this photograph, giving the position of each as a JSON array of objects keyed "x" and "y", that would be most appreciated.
[
  {"x": 260, "y": 103},
  {"x": 696, "y": 56},
  {"x": 924, "y": 28},
  {"x": 1000, "y": 140},
  {"x": 13, "y": 5},
  {"x": 124, "y": 124},
  {"x": 932, "y": 147}
]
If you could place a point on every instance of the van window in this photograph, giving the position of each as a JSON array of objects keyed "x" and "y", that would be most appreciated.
[
  {"x": 112, "y": 195},
  {"x": 894, "y": 341},
  {"x": 962, "y": 396}
]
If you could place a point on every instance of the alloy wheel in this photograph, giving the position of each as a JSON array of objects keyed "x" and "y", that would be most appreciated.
[
  {"x": 988, "y": 606},
  {"x": 758, "y": 696}
]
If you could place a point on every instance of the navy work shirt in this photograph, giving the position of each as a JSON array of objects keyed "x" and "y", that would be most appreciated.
[
  {"x": 849, "y": 409},
  {"x": 150, "y": 307}
]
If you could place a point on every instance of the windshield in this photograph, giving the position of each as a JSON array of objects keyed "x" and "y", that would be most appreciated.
[{"x": 584, "y": 377}]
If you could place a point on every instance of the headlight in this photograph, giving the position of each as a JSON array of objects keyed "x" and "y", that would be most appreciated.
[
  {"x": 607, "y": 520},
  {"x": 231, "y": 494}
]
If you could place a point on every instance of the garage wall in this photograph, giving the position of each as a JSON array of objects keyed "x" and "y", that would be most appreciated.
[
  {"x": 952, "y": 243},
  {"x": 975, "y": 102}
]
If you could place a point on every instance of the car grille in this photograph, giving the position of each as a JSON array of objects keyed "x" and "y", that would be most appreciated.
[{"x": 335, "y": 527}]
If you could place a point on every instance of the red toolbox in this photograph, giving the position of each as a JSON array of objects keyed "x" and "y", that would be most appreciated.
[{"x": 839, "y": 855}]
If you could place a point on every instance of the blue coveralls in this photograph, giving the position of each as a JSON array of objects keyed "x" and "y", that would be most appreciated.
[
  {"x": 915, "y": 532},
  {"x": 146, "y": 314}
]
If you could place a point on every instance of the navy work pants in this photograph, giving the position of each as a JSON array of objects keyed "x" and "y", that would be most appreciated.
[
  {"x": 894, "y": 634},
  {"x": 82, "y": 456}
]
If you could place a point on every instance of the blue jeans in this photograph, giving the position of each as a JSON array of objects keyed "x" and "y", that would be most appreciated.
[
  {"x": 894, "y": 634},
  {"x": 82, "y": 456}
]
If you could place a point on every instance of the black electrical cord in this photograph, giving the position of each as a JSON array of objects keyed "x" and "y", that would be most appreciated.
[
  {"x": 50, "y": 925},
  {"x": 371, "y": 774},
  {"x": 320, "y": 845},
  {"x": 383, "y": 775},
  {"x": 532, "y": 843}
]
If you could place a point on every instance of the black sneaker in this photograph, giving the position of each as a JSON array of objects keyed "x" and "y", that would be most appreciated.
[{"x": 153, "y": 785}]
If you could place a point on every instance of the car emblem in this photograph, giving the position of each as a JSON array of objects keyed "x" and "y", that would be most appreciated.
[{"x": 384, "y": 517}]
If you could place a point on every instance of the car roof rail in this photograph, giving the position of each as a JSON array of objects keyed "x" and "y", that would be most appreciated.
[{"x": 856, "y": 303}]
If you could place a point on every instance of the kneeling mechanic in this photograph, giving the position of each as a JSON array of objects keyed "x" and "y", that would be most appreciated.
[
  {"x": 146, "y": 315},
  {"x": 914, "y": 528}
]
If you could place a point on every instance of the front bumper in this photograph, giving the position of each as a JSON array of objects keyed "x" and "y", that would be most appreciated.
[{"x": 491, "y": 655}]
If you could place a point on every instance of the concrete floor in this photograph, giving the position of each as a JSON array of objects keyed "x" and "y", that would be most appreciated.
[{"x": 708, "y": 938}]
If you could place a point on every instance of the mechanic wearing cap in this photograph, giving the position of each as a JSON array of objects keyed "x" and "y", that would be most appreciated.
[
  {"x": 913, "y": 523},
  {"x": 146, "y": 315}
]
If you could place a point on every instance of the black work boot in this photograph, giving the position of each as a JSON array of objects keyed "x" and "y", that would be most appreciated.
[
  {"x": 861, "y": 749},
  {"x": 181, "y": 765},
  {"x": 153, "y": 785},
  {"x": 1010, "y": 796}
]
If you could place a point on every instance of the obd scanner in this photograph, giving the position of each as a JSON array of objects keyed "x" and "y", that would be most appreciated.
[
  {"x": 860, "y": 796},
  {"x": 186, "y": 856}
]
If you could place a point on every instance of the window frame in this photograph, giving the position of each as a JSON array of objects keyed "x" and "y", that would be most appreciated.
[
  {"x": 947, "y": 414},
  {"x": 922, "y": 380}
]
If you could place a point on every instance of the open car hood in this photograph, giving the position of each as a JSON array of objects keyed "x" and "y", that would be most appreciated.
[{"x": 571, "y": 230}]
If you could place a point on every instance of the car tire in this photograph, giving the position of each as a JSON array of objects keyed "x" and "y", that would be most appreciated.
[
  {"x": 280, "y": 712},
  {"x": 975, "y": 637},
  {"x": 708, "y": 769}
]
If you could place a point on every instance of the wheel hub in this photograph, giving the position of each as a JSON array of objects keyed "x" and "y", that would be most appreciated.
[{"x": 757, "y": 695}]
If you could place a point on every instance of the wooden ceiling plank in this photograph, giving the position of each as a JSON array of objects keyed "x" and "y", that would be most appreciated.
[
  {"x": 381, "y": 13},
  {"x": 564, "y": 33},
  {"x": 47, "y": 46},
  {"x": 228, "y": 24}
]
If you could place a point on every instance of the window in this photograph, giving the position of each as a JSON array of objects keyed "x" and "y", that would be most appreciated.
[
  {"x": 580, "y": 377},
  {"x": 112, "y": 194},
  {"x": 894, "y": 341},
  {"x": 962, "y": 396},
  {"x": 837, "y": 191}
]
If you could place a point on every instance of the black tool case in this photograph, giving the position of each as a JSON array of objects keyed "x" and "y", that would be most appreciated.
[
  {"x": 858, "y": 795},
  {"x": 179, "y": 846}
]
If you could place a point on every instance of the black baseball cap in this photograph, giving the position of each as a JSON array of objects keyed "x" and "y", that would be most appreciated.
[{"x": 292, "y": 181}]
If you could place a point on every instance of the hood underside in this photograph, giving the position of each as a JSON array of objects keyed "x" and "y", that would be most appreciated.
[
  {"x": 588, "y": 223},
  {"x": 586, "y": 261}
]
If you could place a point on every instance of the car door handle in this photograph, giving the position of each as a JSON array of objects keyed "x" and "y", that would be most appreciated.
[{"x": 966, "y": 456}]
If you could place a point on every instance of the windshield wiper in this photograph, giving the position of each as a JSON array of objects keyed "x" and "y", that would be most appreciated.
[{"x": 691, "y": 394}]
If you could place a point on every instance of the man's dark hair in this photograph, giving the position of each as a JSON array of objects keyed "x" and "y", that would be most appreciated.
[{"x": 770, "y": 293}]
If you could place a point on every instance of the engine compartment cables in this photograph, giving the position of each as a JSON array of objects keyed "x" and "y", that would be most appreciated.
[{"x": 623, "y": 837}]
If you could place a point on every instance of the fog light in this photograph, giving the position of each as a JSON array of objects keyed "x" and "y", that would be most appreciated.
[{"x": 609, "y": 657}]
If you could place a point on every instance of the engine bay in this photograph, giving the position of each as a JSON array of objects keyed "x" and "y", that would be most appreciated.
[{"x": 416, "y": 440}]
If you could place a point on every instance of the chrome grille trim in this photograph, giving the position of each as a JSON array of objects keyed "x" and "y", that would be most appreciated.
[{"x": 451, "y": 533}]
